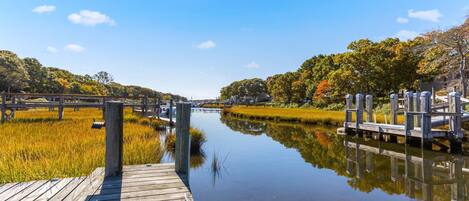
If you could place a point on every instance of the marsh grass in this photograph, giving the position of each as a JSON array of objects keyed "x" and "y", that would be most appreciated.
[
  {"x": 37, "y": 146},
  {"x": 301, "y": 115},
  {"x": 197, "y": 141}
]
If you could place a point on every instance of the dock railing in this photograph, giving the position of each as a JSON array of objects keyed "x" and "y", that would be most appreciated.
[{"x": 419, "y": 117}]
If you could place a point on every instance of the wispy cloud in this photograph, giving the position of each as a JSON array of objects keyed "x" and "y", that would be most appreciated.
[
  {"x": 74, "y": 48},
  {"x": 44, "y": 9},
  {"x": 90, "y": 18},
  {"x": 406, "y": 34},
  {"x": 427, "y": 15},
  {"x": 252, "y": 65},
  {"x": 52, "y": 49},
  {"x": 206, "y": 44},
  {"x": 402, "y": 20}
]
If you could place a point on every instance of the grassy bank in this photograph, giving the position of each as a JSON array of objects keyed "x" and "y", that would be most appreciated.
[
  {"x": 301, "y": 115},
  {"x": 37, "y": 146}
]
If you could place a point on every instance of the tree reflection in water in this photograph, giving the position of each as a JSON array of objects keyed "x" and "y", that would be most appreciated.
[{"x": 370, "y": 164}]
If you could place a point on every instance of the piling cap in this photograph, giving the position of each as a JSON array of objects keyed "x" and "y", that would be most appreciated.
[
  {"x": 393, "y": 96},
  {"x": 425, "y": 94},
  {"x": 454, "y": 93},
  {"x": 348, "y": 96}
]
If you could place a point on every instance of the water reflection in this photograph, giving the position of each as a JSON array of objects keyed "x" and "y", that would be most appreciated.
[{"x": 395, "y": 169}]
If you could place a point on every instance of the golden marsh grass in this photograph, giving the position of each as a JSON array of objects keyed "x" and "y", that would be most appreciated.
[
  {"x": 302, "y": 115},
  {"x": 37, "y": 146}
]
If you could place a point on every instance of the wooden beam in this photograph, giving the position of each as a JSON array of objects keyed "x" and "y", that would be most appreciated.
[
  {"x": 183, "y": 117},
  {"x": 114, "y": 120}
]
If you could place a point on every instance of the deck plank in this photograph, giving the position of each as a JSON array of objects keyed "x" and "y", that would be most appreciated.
[
  {"x": 137, "y": 182},
  {"x": 49, "y": 193},
  {"x": 6, "y": 187},
  {"x": 66, "y": 190},
  {"x": 15, "y": 189},
  {"x": 42, "y": 189},
  {"x": 25, "y": 192}
]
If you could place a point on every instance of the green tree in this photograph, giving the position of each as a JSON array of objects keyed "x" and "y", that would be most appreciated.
[{"x": 13, "y": 75}]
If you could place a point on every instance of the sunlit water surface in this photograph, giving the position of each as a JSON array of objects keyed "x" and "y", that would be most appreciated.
[{"x": 267, "y": 161}]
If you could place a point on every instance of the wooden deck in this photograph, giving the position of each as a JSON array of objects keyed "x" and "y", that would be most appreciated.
[
  {"x": 138, "y": 182},
  {"x": 398, "y": 130}
]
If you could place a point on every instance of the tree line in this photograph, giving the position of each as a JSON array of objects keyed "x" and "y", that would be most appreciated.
[
  {"x": 29, "y": 75},
  {"x": 377, "y": 68}
]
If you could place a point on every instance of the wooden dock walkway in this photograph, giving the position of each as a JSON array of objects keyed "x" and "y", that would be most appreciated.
[
  {"x": 137, "y": 182},
  {"x": 420, "y": 118}
]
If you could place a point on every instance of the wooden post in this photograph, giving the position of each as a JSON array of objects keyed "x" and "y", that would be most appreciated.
[
  {"x": 170, "y": 112},
  {"x": 409, "y": 119},
  {"x": 183, "y": 118},
  {"x": 13, "y": 109},
  {"x": 158, "y": 109},
  {"x": 144, "y": 106},
  {"x": 459, "y": 186},
  {"x": 114, "y": 122},
  {"x": 394, "y": 108},
  {"x": 426, "y": 119},
  {"x": 348, "y": 105},
  {"x": 61, "y": 107},
  {"x": 359, "y": 108},
  {"x": 416, "y": 108},
  {"x": 103, "y": 107},
  {"x": 369, "y": 108},
  {"x": 455, "y": 122},
  {"x": 4, "y": 107}
]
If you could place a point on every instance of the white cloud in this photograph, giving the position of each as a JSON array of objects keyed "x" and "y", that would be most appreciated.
[
  {"x": 44, "y": 9},
  {"x": 406, "y": 34},
  {"x": 402, "y": 20},
  {"x": 74, "y": 48},
  {"x": 252, "y": 65},
  {"x": 427, "y": 15},
  {"x": 90, "y": 18},
  {"x": 52, "y": 49},
  {"x": 207, "y": 45}
]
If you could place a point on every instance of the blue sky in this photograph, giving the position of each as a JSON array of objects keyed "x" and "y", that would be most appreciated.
[{"x": 194, "y": 48}]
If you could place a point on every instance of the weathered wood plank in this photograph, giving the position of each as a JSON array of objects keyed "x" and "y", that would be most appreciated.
[
  {"x": 7, "y": 186},
  {"x": 15, "y": 189},
  {"x": 49, "y": 193},
  {"x": 178, "y": 196},
  {"x": 44, "y": 188},
  {"x": 66, "y": 190},
  {"x": 149, "y": 166},
  {"x": 119, "y": 189},
  {"x": 141, "y": 183},
  {"x": 141, "y": 193},
  {"x": 25, "y": 192},
  {"x": 88, "y": 186}
]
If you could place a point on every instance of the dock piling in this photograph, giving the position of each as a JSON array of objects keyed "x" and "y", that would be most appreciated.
[
  {"x": 170, "y": 115},
  {"x": 114, "y": 122},
  {"x": 369, "y": 107},
  {"x": 61, "y": 107},
  {"x": 454, "y": 103},
  {"x": 394, "y": 108},
  {"x": 416, "y": 108},
  {"x": 183, "y": 117},
  {"x": 348, "y": 107},
  {"x": 359, "y": 108},
  {"x": 426, "y": 119}
]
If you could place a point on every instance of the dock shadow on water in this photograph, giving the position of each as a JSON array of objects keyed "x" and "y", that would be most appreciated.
[{"x": 374, "y": 169}]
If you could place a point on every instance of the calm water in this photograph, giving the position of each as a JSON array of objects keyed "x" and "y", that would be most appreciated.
[{"x": 266, "y": 161}]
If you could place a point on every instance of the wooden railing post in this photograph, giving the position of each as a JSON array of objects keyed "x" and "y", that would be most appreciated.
[
  {"x": 61, "y": 107},
  {"x": 170, "y": 112},
  {"x": 114, "y": 122},
  {"x": 409, "y": 119},
  {"x": 348, "y": 105},
  {"x": 455, "y": 122},
  {"x": 426, "y": 119},
  {"x": 394, "y": 108},
  {"x": 359, "y": 108},
  {"x": 4, "y": 107},
  {"x": 183, "y": 117},
  {"x": 369, "y": 108},
  {"x": 13, "y": 108},
  {"x": 416, "y": 108},
  {"x": 103, "y": 107}
]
